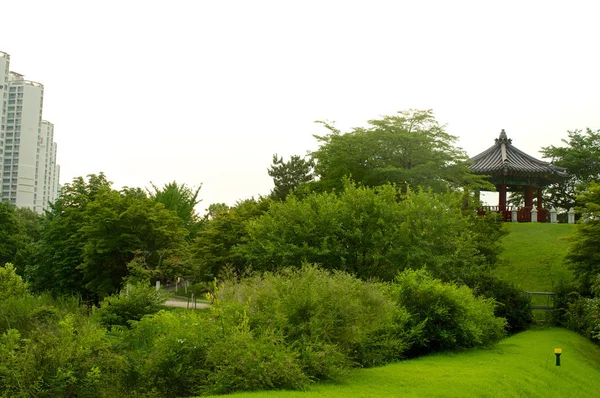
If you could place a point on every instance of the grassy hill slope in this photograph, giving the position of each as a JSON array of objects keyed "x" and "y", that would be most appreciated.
[
  {"x": 521, "y": 365},
  {"x": 533, "y": 255}
]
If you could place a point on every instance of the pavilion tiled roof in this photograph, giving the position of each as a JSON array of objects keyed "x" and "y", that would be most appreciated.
[{"x": 503, "y": 158}]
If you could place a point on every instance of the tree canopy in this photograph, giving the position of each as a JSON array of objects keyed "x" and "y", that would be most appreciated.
[
  {"x": 289, "y": 175},
  {"x": 369, "y": 232},
  {"x": 407, "y": 149},
  {"x": 93, "y": 236},
  {"x": 581, "y": 157},
  {"x": 584, "y": 253},
  {"x": 181, "y": 200}
]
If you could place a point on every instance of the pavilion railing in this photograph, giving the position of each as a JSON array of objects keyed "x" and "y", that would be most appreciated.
[{"x": 523, "y": 213}]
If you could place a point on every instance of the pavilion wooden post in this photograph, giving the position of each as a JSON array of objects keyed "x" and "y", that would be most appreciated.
[
  {"x": 502, "y": 198},
  {"x": 539, "y": 198},
  {"x": 529, "y": 196}
]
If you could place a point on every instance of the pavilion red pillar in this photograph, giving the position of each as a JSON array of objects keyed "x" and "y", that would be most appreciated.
[
  {"x": 502, "y": 198},
  {"x": 539, "y": 198},
  {"x": 529, "y": 196}
]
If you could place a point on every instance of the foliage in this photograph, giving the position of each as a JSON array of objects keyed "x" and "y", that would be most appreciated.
[
  {"x": 584, "y": 253},
  {"x": 329, "y": 318},
  {"x": 408, "y": 149},
  {"x": 512, "y": 303},
  {"x": 181, "y": 200},
  {"x": 131, "y": 304},
  {"x": 64, "y": 357},
  {"x": 288, "y": 176},
  {"x": 61, "y": 243},
  {"x": 11, "y": 284},
  {"x": 214, "y": 209},
  {"x": 367, "y": 232},
  {"x": 122, "y": 227},
  {"x": 581, "y": 158},
  {"x": 445, "y": 316},
  {"x": 215, "y": 248},
  {"x": 94, "y": 235},
  {"x": 487, "y": 233},
  {"x": 17, "y": 235},
  {"x": 184, "y": 354}
]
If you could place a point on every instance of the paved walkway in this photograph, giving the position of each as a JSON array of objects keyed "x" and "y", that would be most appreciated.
[{"x": 184, "y": 304}]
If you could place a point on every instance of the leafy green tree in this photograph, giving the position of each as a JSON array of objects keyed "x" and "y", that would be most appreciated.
[
  {"x": 407, "y": 149},
  {"x": 584, "y": 253},
  {"x": 288, "y": 176},
  {"x": 214, "y": 210},
  {"x": 12, "y": 233},
  {"x": 61, "y": 243},
  {"x": 367, "y": 232},
  {"x": 182, "y": 200},
  {"x": 94, "y": 236},
  {"x": 215, "y": 248},
  {"x": 581, "y": 158},
  {"x": 28, "y": 250},
  {"x": 120, "y": 227},
  {"x": 11, "y": 284}
]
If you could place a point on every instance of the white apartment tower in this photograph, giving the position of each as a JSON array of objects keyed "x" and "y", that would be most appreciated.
[
  {"x": 29, "y": 170},
  {"x": 4, "y": 68}
]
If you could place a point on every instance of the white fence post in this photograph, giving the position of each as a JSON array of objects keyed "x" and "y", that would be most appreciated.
[
  {"x": 534, "y": 214},
  {"x": 553, "y": 217},
  {"x": 571, "y": 216}
]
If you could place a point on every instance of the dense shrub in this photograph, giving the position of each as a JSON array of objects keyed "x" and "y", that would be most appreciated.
[
  {"x": 565, "y": 293},
  {"x": 445, "y": 316},
  {"x": 166, "y": 353},
  {"x": 65, "y": 357},
  {"x": 131, "y": 304},
  {"x": 577, "y": 312},
  {"x": 369, "y": 232},
  {"x": 332, "y": 320},
  {"x": 583, "y": 315},
  {"x": 511, "y": 303},
  {"x": 11, "y": 284},
  {"x": 183, "y": 354}
]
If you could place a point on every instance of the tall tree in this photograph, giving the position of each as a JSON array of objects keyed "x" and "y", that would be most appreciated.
[
  {"x": 581, "y": 157},
  {"x": 12, "y": 233},
  {"x": 407, "y": 149},
  {"x": 215, "y": 248},
  {"x": 584, "y": 253},
  {"x": 61, "y": 244},
  {"x": 289, "y": 175},
  {"x": 121, "y": 227},
  {"x": 181, "y": 200}
]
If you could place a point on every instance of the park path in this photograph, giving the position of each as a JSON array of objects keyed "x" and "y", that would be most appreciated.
[{"x": 184, "y": 304}]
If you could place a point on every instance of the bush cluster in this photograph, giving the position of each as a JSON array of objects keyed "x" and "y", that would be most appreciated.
[
  {"x": 58, "y": 355},
  {"x": 445, "y": 316},
  {"x": 131, "y": 304},
  {"x": 512, "y": 303},
  {"x": 278, "y": 330}
]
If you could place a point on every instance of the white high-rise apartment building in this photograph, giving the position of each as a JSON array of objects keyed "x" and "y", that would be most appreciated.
[
  {"x": 29, "y": 171},
  {"x": 4, "y": 68}
]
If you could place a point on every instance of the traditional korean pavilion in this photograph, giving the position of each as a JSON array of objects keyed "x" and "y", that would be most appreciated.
[{"x": 512, "y": 170}]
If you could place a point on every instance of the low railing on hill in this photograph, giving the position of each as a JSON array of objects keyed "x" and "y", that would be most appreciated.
[
  {"x": 549, "y": 300},
  {"x": 517, "y": 214}
]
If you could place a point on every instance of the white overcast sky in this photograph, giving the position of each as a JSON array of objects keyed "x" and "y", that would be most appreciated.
[{"x": 207, "y": 91}]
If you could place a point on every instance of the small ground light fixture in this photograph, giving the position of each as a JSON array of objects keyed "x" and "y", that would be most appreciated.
[{"x": 557, "y": 352}]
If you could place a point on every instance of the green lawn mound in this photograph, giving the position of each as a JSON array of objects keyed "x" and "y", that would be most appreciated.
[
  {"x": 533, "y": 256},
  {"x": 522, "y": 365}
]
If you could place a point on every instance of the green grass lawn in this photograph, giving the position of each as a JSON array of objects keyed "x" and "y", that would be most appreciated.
[
  {"x": 533, "y": 255},
  {"x": 522, "y": 365}
]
